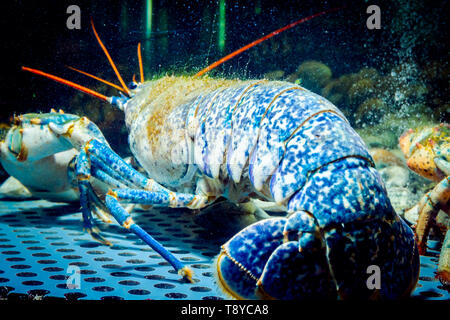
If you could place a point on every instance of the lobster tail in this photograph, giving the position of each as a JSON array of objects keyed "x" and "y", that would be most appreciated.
[{"x": 324, "y": 250}]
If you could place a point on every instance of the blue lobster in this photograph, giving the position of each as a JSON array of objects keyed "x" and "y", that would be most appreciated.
[{"x": 202, "y": 138}]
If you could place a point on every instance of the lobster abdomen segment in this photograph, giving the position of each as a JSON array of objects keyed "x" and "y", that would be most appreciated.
[
  {"x": 323, "y": 139},
  {"x": 342, "y": 192},
  {"x": 247, "y": 129},
  {"x": 228, "y": 125},
  {"x": 213, "y": 135}
]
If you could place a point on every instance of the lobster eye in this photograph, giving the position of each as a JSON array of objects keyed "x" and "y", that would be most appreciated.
[
  {"x": 132, "y": 85},
  {"x": 4, "y": 128},
  {"x": 15, "y": 141}
]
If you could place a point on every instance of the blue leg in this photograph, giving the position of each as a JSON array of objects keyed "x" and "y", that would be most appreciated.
[
  {"x": 147, "y": 197},
  {"x": 110, "y": 160},
  {"x": 84, "y": 186},
  {"x": 100, "y": 165},
  {"x": 111, "y": 169},
  {"x": 99, "y": 207},
  {"x": 97, "y": 160},
  {"x": 106, "y": 178}
]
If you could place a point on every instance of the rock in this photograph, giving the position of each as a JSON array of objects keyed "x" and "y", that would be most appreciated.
[
  {"x": 371, "y": 111},
  {"x": 386, "y": 158},
  {"x": 13, "y": 189},
  {"x": 293, "y": 77},
  {"x": 274, "y": 75},
  {"x": 411, "y": 116},
  {"x": 402, "y": 199},
  {"x": 314, "y": 75},
  {"x": 385, "y": 134},
  {"x": 361, "y": 91},
  {"x": 337, "y": 92},
  {"x": 419, "y": 184},
  {"x": 340, "y": 85},
  {"x": 395, "y": 176},
  {"x": 368, "y": 73},
  {"x": 378, "y": 137},
  {"x": 415, "y": 93}
]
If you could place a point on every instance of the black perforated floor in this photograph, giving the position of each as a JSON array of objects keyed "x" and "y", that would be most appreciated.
[{"x": 45, "y": 253}]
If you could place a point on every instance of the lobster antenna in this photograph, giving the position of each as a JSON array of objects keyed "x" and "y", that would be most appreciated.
[
  {"x": 141, "y": 67},
  {"x": 111, "y": 62},
  {"x": 97, "y": 78},
  {"x": 254, "y": 43},
  {"x": 69, "y": 83}
]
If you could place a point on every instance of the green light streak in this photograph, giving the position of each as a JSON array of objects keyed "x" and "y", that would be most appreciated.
[
  {"x": 146, "y": 54},
  {"x": 148, "y": 18},
  {"x": 124, "y": 19},
  {"x": 163, "y": 21},
  {"x": 221, "y": 34},
  {"x": 258, "y": 7}
]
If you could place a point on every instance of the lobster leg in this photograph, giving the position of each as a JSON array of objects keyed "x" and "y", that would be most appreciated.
[
  {"x": 83, "y": 173},
  {"x": 148, "y": 197},
  {"x": 119, "y": 174},
  {"x": 429, "y": 206},
  {"x": 100, "y": 209},
  {"x": 115, "y": 166},
  {"x": 116, "y": 179},
  {"x": 443, "y": 272},
  {"x": 113, "y": 170}
]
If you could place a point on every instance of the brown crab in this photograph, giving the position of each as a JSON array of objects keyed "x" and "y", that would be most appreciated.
[{"x": 427, "y": 151}]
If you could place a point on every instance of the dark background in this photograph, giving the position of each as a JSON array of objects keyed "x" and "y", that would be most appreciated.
[{"x": 184, "y": 40}]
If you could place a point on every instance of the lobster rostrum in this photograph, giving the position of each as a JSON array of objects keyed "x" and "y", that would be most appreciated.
[{"x": 200, "y": 138}]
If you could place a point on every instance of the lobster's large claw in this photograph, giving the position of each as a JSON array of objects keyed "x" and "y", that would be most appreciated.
[
  {"x": 39, "y": 159},
  {"x": 41, "y": 150},
  {"x": 243, "y": 257},
  {"x": 261, "y": 263}
]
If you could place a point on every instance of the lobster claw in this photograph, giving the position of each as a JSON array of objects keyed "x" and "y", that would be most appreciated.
[
  {"x": 267, "y": 260},
  {"x": 244, "y": 256}
]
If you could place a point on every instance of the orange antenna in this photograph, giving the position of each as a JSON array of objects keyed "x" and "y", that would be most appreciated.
[
  {"x": 110, "y": 59},
  {"x": 141, "y": 67},
  {"x": 254, "y": 43},
  {"x": 97, "y": 78},
  {"x": 68, "y": 83}
]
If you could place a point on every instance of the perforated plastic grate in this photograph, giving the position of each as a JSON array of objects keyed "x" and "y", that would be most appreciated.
[{"x": 40, "y": 241}]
